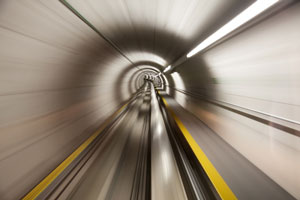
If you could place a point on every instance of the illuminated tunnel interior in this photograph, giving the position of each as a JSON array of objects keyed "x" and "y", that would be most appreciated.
[{"x": 149, "y": 99}]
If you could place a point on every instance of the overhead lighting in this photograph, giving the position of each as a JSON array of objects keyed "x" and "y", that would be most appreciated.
[
  {"x": 167, "y": 69},
  {"x": 253, "y": 10}
]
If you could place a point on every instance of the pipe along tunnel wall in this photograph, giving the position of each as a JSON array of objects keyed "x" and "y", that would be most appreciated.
[{"x": 59, "y": 81}]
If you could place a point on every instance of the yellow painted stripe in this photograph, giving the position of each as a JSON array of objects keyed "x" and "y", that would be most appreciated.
[
  {"x": 220, "y": 185},
  {"x": 38, "y": 189}
]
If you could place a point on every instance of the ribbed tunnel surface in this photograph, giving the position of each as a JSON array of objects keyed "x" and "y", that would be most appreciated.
[{"x": 110, "y": 99}]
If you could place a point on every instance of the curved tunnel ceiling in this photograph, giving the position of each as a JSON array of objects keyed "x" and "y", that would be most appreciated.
[{"x": 156, "y": 31}]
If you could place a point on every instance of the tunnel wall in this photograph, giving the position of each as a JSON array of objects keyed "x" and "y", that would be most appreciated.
[
  {"x": 255, "y": 73},
  {"x": 59, "y": 81}
]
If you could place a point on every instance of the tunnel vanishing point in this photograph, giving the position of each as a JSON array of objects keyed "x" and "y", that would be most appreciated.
[{"x": 149, "y": 99}]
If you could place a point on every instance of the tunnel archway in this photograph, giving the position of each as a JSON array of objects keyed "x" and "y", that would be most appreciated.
[{"x": 68, "y": 75}]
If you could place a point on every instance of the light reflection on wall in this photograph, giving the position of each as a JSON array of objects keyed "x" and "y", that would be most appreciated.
[{"x": 179, "y": 84}]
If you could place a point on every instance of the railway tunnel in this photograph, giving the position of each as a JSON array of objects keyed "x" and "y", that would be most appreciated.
[{"x": 149, "y": 99}]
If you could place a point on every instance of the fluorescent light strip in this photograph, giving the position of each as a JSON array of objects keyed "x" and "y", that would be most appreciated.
[
  {"x": 255, "y": 9},
  {"x": 167, "y": 69}
]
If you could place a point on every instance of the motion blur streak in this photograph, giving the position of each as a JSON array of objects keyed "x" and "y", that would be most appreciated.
[
  {"x": 72, "y": 70},
  {"x": 255, "y": 9}
]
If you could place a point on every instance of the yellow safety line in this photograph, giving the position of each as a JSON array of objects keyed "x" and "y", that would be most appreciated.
[
  {"x": 220, "y": 185},
  {"x": 38, "y": 189}
]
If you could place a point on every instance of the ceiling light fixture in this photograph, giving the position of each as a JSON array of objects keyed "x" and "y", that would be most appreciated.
[
  {"x": 249, "y": 13},
  {"x": 167, "y": 69}
]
